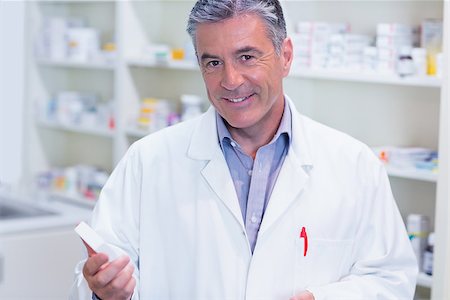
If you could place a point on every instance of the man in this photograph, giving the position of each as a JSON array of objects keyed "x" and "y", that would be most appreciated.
[{"x": 251, "y": 200}]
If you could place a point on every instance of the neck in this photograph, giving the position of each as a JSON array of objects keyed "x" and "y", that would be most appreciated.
[{"x": 252, "y": 138}]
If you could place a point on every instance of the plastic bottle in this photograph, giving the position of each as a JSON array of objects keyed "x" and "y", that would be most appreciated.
[
  {"x": 405, "y": 65},
  {"x": 192, "y": 106},
  {"x": 418, "y": 227},
  {"x": 419, "y": 56},
  {"x": 428, "y": 256}
]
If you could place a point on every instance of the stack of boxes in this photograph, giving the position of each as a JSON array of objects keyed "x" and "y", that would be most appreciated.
[
  {"x": 393, "y": 40},
  {"x": 312, "y": 41},
  {"x": 346, "y": 51},
  {"x": 321, "y": 45},
  {"x": 70, "y": 39},
  {"x": 52, "y": 41}
]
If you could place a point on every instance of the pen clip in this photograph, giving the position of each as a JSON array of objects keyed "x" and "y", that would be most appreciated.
[{"x": 304, "y": 236}]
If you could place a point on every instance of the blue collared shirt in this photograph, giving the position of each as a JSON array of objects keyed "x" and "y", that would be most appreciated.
[{"x": 254, "y": 179}]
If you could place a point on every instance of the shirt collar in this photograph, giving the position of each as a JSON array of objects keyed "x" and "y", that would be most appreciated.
[{"x": 284, "y": 128}]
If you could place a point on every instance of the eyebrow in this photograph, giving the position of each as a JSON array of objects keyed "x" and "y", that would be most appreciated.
[
  {"x": 245, "y": 49},
  {"x": 248, "y": 49},
  {"x": 208, "y": 56}
]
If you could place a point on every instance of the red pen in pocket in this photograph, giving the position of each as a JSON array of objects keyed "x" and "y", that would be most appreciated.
[{"x": 304, "y": 236}]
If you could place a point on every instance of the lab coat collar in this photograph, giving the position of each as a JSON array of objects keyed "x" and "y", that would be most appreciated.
[
  {"x": 292, "y": 178},
  {"x": 205, "y": 142},
  {"x": 205, "y": 145},
  {"x": 299, "y": 140}
]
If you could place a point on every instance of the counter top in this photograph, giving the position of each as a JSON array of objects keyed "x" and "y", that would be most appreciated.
[{"x": 63, "y": 214}]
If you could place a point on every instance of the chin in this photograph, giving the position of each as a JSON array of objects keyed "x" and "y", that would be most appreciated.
[{"x": 240, "y": 124}]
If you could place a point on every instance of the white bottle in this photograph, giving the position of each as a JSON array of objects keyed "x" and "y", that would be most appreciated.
[
  {"x": 192, "y": 106},
  {"x": 418, "y": 228},
  {"x": 419, "y": 56},
  {"x": 405, "y": 64}
]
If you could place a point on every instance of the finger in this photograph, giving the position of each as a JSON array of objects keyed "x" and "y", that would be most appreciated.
[
  {"x": 124, "y": 291},
  {"x": 107, "y": 274},
  {"x": 121, "y": 280},
  {"x": 131, "y": 285},
  {"x": 94, "y": 264}
]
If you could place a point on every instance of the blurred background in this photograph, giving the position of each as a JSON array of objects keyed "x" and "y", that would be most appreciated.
[{"x": 80, "y": 81}]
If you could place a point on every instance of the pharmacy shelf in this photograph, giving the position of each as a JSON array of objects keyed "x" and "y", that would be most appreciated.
[
  {"x": 171, "y": 64},
  {"x": 415, "y": 174},
  {"x": 78, "y": 200},
  {"x": 134, "y": 25},
  {"x": 425, "y": 280},
  {"x": 92, "y": 65},
  {"x": 103, "y": 132},
  {"x": 428, "y": 81}
]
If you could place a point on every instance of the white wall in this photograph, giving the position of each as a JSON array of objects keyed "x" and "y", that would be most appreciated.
[
  {"x": 12, "y": 76},
  {"x": 441, "y": 268}
]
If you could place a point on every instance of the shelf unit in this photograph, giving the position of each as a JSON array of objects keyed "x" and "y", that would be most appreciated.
[
  {"x": 102, "y": 132},
  {"x": 414, "y": 174},
  {"x": 77, "y": 200},
  {"x": 100, "y": 65},
  {"x": 425, "y": 280},
  {"x": 54, "y": 144},
  {"x": 351, "y": 102},
  {"x": 368, "y": 78},
  {"x": 171, "y": 64}
]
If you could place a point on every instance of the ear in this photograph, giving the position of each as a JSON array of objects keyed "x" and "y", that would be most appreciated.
[{"x": 287, "y": 54}]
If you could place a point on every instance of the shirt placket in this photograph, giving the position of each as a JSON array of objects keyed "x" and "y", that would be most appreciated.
[{"x": 257, "y": 192}]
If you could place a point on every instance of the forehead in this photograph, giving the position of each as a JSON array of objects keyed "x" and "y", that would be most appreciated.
[{"x": 232, "y": 33}]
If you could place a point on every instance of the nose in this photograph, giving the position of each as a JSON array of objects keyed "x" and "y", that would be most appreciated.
[{"x": 231, "y": 77}]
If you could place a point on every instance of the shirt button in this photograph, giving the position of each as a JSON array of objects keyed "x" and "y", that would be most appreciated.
[
  {"x": 233, "y": 144},
  {"x": 254, "y": 219},
  {"x": 249, "y": 172}
]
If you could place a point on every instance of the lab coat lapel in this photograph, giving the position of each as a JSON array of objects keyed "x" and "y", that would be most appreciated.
[
  {"x": 217, "y": 174},
  {"x": 294, "y": 173},
  {"x": 290, "y": 182},
  {"x": 205, "y": 146}
]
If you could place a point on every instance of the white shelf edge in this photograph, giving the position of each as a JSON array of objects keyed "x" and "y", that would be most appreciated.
[
  {"x": 136, "y": 132},
  {"x": 425, "y": 280},
  {"x": 422, "y": 175},
  {"x": 433, "y": 82},
  {"x": 172, "y": 64},
  {"x": 73, "y": 1},
  {"x": 78, "y": 129},
  {"x": 71, "y": 199},
  {"x": 109, "y": 66}
]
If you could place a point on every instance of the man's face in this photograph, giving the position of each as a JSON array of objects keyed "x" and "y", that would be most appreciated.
[{"x": 242, "y": 72}]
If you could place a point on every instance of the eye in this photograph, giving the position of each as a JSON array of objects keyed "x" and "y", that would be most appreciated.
[
  {"x": 212, "y": 63},
  {"x": 246, "y": 57}
]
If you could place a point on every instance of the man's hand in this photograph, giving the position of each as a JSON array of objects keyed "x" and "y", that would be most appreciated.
[
  {"x": 305, "y": 295},
  {"x": 109, "y": 280}
]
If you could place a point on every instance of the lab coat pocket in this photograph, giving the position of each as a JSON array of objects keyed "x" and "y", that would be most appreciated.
[{"x": 320, "y": 261}]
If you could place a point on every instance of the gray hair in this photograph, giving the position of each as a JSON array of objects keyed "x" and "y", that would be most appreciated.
[{"x": 211, "y": 11}]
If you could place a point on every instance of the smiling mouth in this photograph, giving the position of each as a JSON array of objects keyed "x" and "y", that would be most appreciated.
[{"x": 237, "y": 100}]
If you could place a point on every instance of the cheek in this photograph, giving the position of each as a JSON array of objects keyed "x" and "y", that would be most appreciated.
[
  {"x": 211, "y": 82},
  {"x": 265, "y": 75}
]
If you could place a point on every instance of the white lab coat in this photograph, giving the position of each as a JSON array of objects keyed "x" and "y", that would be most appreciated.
[{"x": 172, "y": 207}]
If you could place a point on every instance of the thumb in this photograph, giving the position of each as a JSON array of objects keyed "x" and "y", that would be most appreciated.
[
  {"x": 89, "y": 249},
  {"x": 305, "y": 295}
]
